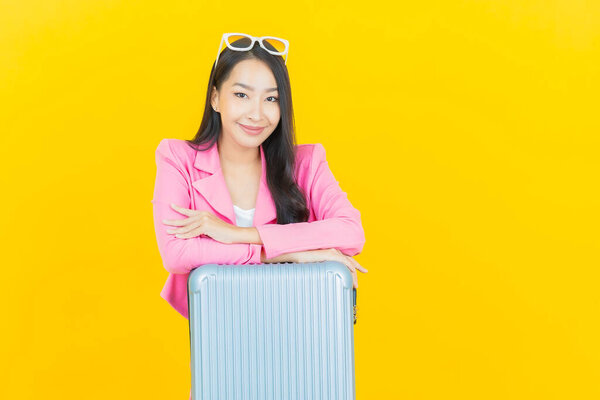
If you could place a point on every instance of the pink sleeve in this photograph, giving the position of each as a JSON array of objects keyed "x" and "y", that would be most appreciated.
[
  {"x": 180, "y": 256},
  {"x": 338, "y": 223}
]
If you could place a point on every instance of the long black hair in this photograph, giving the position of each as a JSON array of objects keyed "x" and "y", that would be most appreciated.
[{"x": 279, "y": 147}]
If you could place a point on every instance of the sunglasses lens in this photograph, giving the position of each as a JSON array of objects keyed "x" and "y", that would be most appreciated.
[
  {"x": 239, "y": 41},
  {"x": 274, "y": 45}
]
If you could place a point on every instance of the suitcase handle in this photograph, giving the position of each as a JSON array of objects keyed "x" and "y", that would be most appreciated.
[{"x": 354, "y": 308}]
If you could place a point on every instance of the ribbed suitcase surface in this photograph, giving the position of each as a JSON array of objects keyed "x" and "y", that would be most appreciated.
[{"x": 271, "y": 331}]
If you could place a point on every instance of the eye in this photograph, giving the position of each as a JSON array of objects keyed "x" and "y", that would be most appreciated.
[
  {"x": 236, "y": 94},
  {"x": 273, "y": 97}
]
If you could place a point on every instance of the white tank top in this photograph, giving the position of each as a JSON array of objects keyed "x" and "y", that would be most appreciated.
[{"x": 243, "y": 217}]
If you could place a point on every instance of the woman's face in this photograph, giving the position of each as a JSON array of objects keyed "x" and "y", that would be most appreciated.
[{"x": 248, "y": 97}]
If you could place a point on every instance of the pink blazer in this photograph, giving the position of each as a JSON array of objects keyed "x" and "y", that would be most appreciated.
[{"x": 193, "y": 179}]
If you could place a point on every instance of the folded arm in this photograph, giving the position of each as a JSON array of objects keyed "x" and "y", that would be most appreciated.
[
  {"x": 338, "y": 223},
  {"x": 180, "y": 256}
]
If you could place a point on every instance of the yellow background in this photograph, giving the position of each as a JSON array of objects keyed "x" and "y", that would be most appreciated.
[{"x": 466, "y": 133}]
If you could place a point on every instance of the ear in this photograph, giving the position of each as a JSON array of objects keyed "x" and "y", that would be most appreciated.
[{"x": 214, "y": 99}]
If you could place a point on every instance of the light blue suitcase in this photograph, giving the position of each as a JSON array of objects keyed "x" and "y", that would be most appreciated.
[{"x": 272, "y": 331}]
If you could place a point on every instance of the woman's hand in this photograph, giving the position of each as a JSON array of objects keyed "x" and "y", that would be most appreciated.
[
  {"x": 331, "y": 255},
  {"x": 201, "y": 223}
]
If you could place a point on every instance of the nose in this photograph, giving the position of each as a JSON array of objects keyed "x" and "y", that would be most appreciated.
[{"x": 255, "y": 111}]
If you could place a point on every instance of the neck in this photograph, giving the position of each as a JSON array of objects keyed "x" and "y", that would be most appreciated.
[{"x": 231, "y": 154}]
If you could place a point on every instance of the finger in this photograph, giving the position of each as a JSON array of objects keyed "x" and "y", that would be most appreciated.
[
  {"x": 182, "y": 210},
  {"x": 358, "y": 266},
  {"x": 348, "y": 264},
  {"x": 190, "y": 234},
  {"x": 355, "y": 280},
  {"x": 187, "y": 228},
  {"x": 176, "y": 222}
]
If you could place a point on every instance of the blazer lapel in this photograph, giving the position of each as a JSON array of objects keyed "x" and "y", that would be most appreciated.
[{"x": 214, "y": 188}]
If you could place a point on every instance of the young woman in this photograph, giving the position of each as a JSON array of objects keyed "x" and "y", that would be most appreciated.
[{"x": 242, "y": 191}]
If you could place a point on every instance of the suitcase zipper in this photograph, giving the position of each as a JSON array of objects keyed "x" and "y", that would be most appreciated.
[{"x": 354, "y": 308}]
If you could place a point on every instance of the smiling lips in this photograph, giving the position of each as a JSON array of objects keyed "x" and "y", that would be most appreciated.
[{"x": 252, "y": 130}]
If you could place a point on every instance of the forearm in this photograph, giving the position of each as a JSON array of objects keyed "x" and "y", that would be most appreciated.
[
  {"x": 180, "y": 256},
  {"x": 250, "y": 235},
  {"x": 344, "y": 233}
]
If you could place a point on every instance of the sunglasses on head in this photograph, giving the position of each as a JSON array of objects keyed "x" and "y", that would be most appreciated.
[{"x": 235, "y": 42}]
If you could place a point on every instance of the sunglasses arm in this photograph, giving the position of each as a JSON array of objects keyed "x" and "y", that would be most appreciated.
[{"x": 219, "y": 51}]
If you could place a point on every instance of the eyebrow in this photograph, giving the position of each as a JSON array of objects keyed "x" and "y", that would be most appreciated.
[{"x": 251, "y": 88}]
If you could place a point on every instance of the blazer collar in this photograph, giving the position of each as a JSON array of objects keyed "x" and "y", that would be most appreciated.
[{"x": 214, "y": 189}]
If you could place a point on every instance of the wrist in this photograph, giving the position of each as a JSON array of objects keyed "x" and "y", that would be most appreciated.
[
  {"x": 295, "y": 257},
  {"x": 243, "y": 234},
  {"x": 239, "y": 234}
]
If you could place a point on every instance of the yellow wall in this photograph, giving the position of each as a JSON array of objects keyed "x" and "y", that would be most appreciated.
[{"x": 466, "y": 133}]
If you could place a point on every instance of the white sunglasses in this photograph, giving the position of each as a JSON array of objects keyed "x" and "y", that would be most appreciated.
[{"x": 280, "y": 44}]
